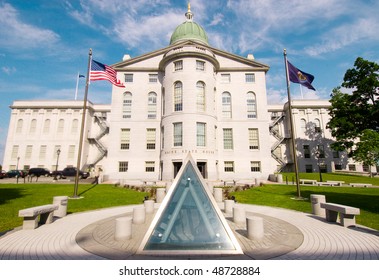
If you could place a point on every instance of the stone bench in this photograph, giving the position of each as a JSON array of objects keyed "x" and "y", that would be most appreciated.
[
  {"x": 336, "y": 183},
  {"x": 360, "y": 185},
  {"x": 347, "y": 213},
  {"x": 325, "y": 184},
  {"x": 30, "y": 215},
  {"x": 308, "y": 181}
]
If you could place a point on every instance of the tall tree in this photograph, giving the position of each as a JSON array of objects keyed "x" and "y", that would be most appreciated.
[
  {"x": 367, "y": 149},
  {"x": 353, "y": 113}
]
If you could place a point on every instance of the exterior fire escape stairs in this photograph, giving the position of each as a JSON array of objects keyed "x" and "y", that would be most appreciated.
[
  {"x": 104, "y": 129},
  {"x": 274, "y": 130}
]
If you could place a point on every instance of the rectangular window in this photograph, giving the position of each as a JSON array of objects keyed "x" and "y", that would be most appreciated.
[
  {"x": 28, "y": 152},
  {"x": 323, "y": 168},
  {"x": 352, "y": 167},
  {"x": 338, "y": 166},
  {"x": 250, "y": 78},
  {"x": 365, "y": 168},
  {"x": 42, "y": 152},
  {"x": 150, "y": 138},
  {"x": 14, "y": 154},
  {"x": 125, "y": 139},
  {"x": 308, "y": 168},
  {"x": 307, "y": 151},
  {"x": 128, "y": 78},
  {"x": 225, "y": 78},
  {"x": 255, "y": 166},
  {"x": 178, "y": 65},
  {"x": 153, "y": 78},
  {"x": 321, "y": 151},
  {"x": 336, "y": 154},
  {"x": 228, "y": 138},
  {"x": 71, "y": 152},
  {"x": 200, "y": 65},
  {"x": 229, "y": 166},
  {"x": 253, "y": 139},
  {"x": 150, "y": 166},
  {"x": 200, "y": 134},
  {"x": 123, "y": 166},
  {"x": 178, "y": 135}
]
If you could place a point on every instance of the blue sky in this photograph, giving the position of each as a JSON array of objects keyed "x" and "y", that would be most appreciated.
[{"x": 45, "y": 43}]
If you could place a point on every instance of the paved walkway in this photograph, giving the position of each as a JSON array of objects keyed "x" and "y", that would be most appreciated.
[{"x": 289, "y": 235}]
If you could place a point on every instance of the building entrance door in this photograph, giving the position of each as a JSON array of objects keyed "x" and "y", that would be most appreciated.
[
  {"x": 202, "y": 166},
  {"x": 177, "y": 166}
]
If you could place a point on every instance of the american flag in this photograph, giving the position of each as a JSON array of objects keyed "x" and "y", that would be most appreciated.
[{"x": 100, "y": 71}]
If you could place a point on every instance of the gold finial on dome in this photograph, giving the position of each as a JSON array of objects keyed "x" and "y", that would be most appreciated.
[{"x": 189, "y": 14}]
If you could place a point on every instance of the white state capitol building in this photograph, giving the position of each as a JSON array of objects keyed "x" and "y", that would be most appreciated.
[{"x": 185, "y": 98}]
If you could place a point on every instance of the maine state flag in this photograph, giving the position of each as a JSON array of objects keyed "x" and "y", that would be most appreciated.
[{"x": 300, "y": 77}]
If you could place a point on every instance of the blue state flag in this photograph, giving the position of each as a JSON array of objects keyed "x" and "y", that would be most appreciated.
[{"x": 300, "y": 77}]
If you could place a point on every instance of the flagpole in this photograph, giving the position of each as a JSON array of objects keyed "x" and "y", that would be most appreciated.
[
  {"x": 77, "y": 83},
  {"x": 82, "y": 126},
  {"x": 292, "y": 127}
]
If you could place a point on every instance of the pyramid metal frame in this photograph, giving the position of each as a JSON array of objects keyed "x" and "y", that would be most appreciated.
[{"x": 237, "y": 249}]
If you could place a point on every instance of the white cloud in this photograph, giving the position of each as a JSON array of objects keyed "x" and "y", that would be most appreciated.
[
  {"x": 147, "y": 32},
  {"x": 275, "y": 96},
  {"x": 8, "y": 70},
  {"x": 16, "y": 34},
  {"x": 217, "y": 18},
  {"x": 346, "y": 35}
]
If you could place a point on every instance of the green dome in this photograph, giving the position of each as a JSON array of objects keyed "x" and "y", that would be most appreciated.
[{"x": 189, "y": 30}]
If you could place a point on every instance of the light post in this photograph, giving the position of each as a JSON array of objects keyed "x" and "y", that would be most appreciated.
[
  {"x": 56, "y": 167},
  {"x": 319, "y": 165},
  {"x": 18, "y": 159}
]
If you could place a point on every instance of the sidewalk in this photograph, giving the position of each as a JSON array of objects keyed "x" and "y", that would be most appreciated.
[{"x": 289, "y": 235}]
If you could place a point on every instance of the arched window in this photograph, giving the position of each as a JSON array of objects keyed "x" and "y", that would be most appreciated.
[
  {"x": 20, "y": 123},
  {"x": 200, "y": 96},
  {"x": 127, "y": 105},
  {"x": 251, "y": 105},
  {"x": 74, "y": 127},
  {"x": 226, "y": 105},
  {"x": 152, "y": 106},
  {"x": 60, "y": 126},
  {"x": 317, "y": 126},
  {"x": 178, "y": 96},
  {"x": 46, "y": 126},
  {"x": 303, "y": 124},
  {"x": 33, "y": 126}
]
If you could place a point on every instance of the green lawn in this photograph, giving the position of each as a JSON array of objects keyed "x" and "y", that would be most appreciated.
[
  {"x": 14, "y": 197},
  {"x": 367, "y": 199},
  {"x": 333, "y": 177}
]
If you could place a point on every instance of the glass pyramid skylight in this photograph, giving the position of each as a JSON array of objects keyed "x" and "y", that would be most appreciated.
[{"x": 189, "y": 219}]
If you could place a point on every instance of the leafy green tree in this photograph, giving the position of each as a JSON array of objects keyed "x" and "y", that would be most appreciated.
[
  {"x": 367, "y": 149},
  {"x": 354, "y": 113}
]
